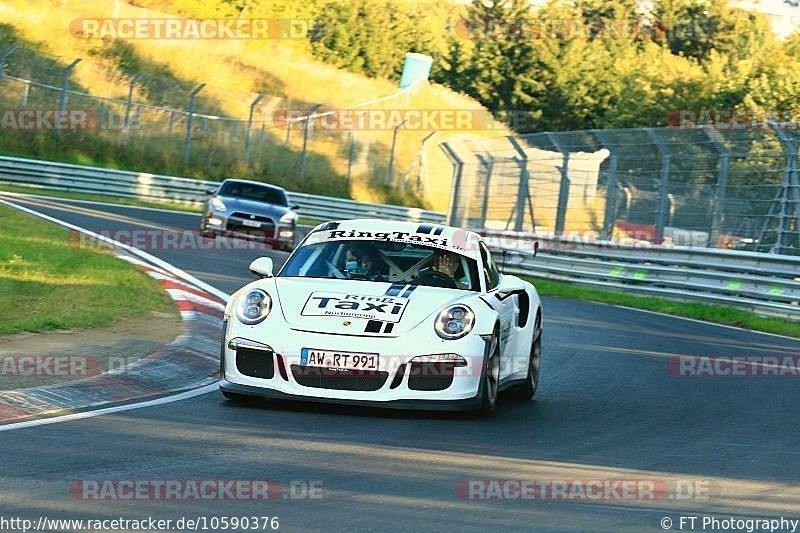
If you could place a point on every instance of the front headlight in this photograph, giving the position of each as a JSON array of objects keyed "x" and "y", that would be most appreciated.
[
  {"x": 289, "y": 218},
  {"x": 253, "y": 307},
  {"x": 218, "y": 204},
  {"x": 454, "y": 322}
]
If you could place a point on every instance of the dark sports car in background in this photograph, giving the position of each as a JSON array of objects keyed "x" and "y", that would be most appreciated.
[{"x": 250, "y": 208}]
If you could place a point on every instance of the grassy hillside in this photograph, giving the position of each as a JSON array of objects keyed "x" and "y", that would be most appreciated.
[{"x": 235, "y": 71}]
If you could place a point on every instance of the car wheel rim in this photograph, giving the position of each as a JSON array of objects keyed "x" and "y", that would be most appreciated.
[
  {"x": 536, "y": 355},
  {"x": 493, "y": 373}
]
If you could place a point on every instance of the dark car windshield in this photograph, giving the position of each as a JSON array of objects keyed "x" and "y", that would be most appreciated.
[
  {"x": 384, "y": 261},
  {"x": 251, "y": 191}
]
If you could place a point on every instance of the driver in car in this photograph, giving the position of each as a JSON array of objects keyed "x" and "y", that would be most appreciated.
[
  {"x": 444, "y": 265},
  {"x": 362, "y": 262}
]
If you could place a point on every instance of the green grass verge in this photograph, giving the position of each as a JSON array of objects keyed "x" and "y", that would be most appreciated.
[
  {"x": 47, "y": 283},
  {"x": 699, "y": 311}
]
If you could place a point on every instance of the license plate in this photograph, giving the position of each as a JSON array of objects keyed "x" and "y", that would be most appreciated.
[
  {"x": 342, "y": 360},
  {"x": 251, "y": 223}
]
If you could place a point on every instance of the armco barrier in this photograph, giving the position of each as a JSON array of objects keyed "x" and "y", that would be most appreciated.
[
  {"x": 76, "y": 178},
  {"x": 767, "y": 284}
]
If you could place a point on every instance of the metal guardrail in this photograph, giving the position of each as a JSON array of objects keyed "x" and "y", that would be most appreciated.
[
  {"x": 766, "y": 284},
  {"x": 155, "y": 187}
]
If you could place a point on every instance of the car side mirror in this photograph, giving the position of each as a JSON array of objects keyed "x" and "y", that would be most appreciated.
[
  {"x": 294, "y": 207},
  {"x": 262, "y": 267},
  {"x": 509, "y": 286},
  {"x": 210, "y": 190}
]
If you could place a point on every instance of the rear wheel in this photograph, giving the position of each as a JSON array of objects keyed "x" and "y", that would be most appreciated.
[{"x": 490, "y": 380}]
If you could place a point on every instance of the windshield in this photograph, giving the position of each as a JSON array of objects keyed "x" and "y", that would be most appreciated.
[
  {"x": 384, "y": 261},
  {"x": 251, "y": 191}
]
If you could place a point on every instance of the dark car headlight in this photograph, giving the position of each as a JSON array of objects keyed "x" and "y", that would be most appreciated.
[{"x": 454, "y": 322}]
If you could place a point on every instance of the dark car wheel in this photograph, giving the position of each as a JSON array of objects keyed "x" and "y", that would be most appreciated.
[
  {"x": 490, "y": 380},
  {"x": 527, "y": 390}
]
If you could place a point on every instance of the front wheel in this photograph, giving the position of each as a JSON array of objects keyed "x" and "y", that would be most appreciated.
[{"x": 490, "y": 380}]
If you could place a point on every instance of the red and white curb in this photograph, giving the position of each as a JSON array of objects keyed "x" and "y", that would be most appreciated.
[{"x": 188, "y": 362}]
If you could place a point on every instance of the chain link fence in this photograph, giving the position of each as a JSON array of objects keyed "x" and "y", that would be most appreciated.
[
  {"x": 178, "y": 121},
  {"x": 734, "y": 187}
]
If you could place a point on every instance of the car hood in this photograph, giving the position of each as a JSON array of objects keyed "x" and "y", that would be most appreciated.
[
  {"x": 352, "y": 307},
  {"x": 253, "y": 207}
]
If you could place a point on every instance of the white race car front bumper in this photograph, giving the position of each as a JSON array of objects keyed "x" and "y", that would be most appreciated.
[{"x": 274, "y": 368}]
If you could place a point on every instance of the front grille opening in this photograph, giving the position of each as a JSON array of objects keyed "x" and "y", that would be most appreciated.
[
  {"x": 431, "y": 376},
  {"x": 282, "y": 367},
  {"x": 255, "y": 363},
  {"x": 398, "y": 378},
  {"x": 325, "y": 378},
  {"x": 264, "y": 232},
  {"x": 247, "y": 216}
]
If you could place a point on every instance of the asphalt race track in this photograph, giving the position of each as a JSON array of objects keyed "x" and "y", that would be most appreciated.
[{"x": 607, "y": 409}]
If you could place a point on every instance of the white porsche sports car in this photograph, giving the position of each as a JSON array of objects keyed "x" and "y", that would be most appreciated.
[{"x": 384, "y": 313}]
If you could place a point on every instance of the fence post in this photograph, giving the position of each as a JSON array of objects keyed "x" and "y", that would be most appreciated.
[
  {"x": 305, "y": 139},
  {"x": 25, "y": 93},
  {"x": 391, "y": 154},
  {"x": 188, "y": 142},
  {"x": 663, "y": 188},
  {"x": 522, "y": 189},
  {"x": 249, "y": 127},
  {"x": 789, "y": 192},
  {"x": 612, "y": 189},
  {"x": 489, "y": 166},
  {"x": 62, "y": 105},
  {"x": 8, "y": 51},
  {"x": 126, "y": 125},
  {"x": 563, "y": 189},
  {"x": 423, "y": 162},
  {"x": 351, "y": 151},
  {"x": 458, "y": 167},
  {"x": 718, "y": 209}
]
